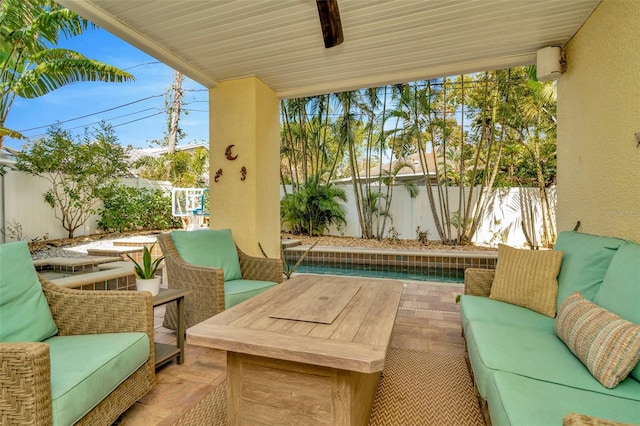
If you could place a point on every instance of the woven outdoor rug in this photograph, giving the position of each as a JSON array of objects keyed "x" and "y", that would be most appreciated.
[
  {"x": 416, "y": 388},
  {"x": 425, "y": 388}
]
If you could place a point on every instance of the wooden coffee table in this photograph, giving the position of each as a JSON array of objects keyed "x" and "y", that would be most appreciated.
[{"x": 307, "y": 351}]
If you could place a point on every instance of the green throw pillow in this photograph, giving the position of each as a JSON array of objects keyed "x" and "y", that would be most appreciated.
[
  {"x": 210, "y": 248},
  {"x": 24, "y": 312},
  {"x": 584, "y": 264}
]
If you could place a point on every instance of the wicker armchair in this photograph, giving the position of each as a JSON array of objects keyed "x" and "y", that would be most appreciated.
[
  {"x": 25, "y": 367},
  {"x": 207, "y": 284}
]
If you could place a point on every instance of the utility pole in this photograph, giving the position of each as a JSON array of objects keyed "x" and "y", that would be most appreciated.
[{"x": 175, "y": 112}]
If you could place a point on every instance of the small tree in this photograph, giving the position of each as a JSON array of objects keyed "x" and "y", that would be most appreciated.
[{"x": 77, "y": 170}]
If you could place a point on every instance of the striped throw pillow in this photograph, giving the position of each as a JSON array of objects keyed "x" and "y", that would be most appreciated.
[
  {"x": 527, "y": 278},
  {"x": 607, "y": 345}
]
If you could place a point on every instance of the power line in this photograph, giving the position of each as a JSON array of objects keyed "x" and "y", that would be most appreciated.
[
  {"x": 115, "y": 118},
  {"x": 142, "y": 64},
  {"x": 95, "y": 113}
]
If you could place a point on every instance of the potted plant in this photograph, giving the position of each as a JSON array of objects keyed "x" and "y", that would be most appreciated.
[{"x": 146, "y": 279}]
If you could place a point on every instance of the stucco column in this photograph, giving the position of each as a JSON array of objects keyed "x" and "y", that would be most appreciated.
[{"x": 244, "y": 125}]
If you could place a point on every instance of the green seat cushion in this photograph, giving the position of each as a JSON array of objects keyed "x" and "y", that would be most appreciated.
[
  {"x": 584, "y": 264},
  {"x": 24, "y": 312},
  {"x": 538, "y": 355},
  {"x": 210, "y": 248},
  {"x": 85, "y": 369},
  {"x": 518, "y": 400},
  {"x": 238, "y": 291},
  {"x": 477, "y": 308},
  {"x": 620, "y": 290}
]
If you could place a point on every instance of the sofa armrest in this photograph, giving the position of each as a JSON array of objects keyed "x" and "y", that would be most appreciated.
[
  {"x": 478, "y": 281},
  {"x": 260, "y": 268},
  {"x": 25, "y": 396},
  {"x": 79, "y": 312}
]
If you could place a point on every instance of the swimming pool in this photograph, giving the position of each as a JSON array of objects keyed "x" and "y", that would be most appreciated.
[{"x": 372, "y": 271}]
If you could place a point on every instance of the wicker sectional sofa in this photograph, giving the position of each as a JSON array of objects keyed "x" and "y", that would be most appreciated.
[
  {"x": 532, "y": 368},
  {"x": 69, "y": 356}
]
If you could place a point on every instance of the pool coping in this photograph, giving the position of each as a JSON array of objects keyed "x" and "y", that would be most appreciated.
[{"x": 448, "y": 259}]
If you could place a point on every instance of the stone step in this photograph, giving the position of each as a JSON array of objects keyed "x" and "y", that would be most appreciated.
[
  {"x": 288, "y": 242},
  {"x": 72, "y": 263},
  {"x": 120, "y": 252}
]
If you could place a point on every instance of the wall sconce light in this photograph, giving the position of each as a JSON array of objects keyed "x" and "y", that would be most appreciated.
[
  {"x": 549, "y": 63},
  {"x": 637, "y": 135}
]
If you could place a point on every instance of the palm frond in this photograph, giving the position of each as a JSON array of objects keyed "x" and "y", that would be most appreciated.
[{"x": 52, "y": 75}]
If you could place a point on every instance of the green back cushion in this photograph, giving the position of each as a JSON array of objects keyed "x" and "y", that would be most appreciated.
[
  {"x": 620, "y": 290},
  {"x": 210, "y": 248},
  {"x": 24, "y": 311},
  {"x": 584, "y": 264}
]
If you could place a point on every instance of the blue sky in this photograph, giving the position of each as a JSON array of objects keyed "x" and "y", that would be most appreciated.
[{"x": 135, "y": 124}]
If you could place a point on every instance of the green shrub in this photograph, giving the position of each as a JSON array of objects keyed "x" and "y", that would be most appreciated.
[
  {"x": 313, "y": 208},
  {"x": 134, "y": 209}
]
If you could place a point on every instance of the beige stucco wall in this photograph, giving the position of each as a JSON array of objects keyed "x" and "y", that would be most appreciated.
[
  {"x": 598, "y": 114},
  {"x": 244, "y": 113}
]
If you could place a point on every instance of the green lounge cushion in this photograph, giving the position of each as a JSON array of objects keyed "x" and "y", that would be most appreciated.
[
  {"x": 533, "y": 354},
  {"x": 620, "y": 290},
  {"x": 517, "y": 400},
  {"x": 238, "y": 291},
  {"x": 584, "y": 264},
  {"x": 477, "y": 308},
  {"x": 24, "y": 312},
  {"x": 210, "y": 248},
  {"x": 85, "y": 369}
]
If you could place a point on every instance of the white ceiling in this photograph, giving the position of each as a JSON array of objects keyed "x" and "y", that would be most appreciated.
[{"x": 385, "y": 41}]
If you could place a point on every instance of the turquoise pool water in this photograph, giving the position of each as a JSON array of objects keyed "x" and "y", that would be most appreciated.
[{"x": 425, "y": 274}]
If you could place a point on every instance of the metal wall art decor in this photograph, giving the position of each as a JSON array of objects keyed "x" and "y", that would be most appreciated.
[
  {"x": 218, "y": 174},
  {"x": 243, "y": 172},
  {"x": 229, "y": 154}
]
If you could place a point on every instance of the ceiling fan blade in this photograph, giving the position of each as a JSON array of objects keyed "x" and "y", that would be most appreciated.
[{"x": 330, "y": 22}]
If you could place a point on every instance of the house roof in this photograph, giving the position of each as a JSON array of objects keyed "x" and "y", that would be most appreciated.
[
  {"x": 412, "y": 169},
  {"x": 137, "y": 154},
  {"x": 280, "y": 41},
  {"x": 8, "y": 157},
  {"x": 410, "y": 172}
]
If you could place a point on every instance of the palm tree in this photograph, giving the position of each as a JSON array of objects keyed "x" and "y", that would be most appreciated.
[
  {"x": 31, "y": 65},
  {"x": 182, "y": 168}
]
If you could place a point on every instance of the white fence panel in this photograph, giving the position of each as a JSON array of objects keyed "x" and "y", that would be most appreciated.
[
  {"x": 24, "y": 206},
  {"x": 502, "y": 222}
]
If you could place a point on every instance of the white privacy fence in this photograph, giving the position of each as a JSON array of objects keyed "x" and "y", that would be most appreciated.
[
  {"x": 22, "y": 206},
  {"x": 21, "y": 203},
  {"x": 502, "y": 222}
]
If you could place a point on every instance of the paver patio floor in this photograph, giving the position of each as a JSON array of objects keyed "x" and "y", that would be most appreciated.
[{"x": 428, "y": 320}]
